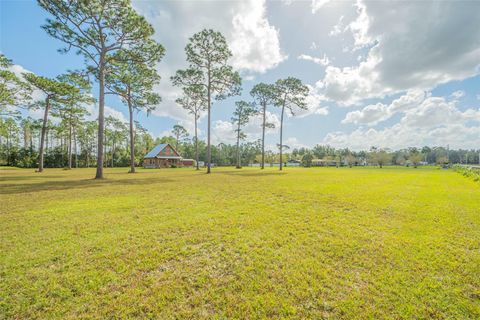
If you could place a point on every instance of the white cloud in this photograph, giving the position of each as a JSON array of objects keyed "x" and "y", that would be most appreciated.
[
  {"x": 224, "y": 131},
  {"x": 458, "y": 94},
  {"x": 324, "y": 61},
  {"x": 109, "y": 111},
  {"x": 314, "y": 103},
  {"x": 407, "y": 48},
  {"x": 437, "y": 111},
  {"x": 318, "y": 4},
  {"x": 435, "y": 121},
  {"x": 338, "y": 28},
  {"x": 18, "y": 70},
  {"x": 398, "y": 136},
  {"x": 376, "y": 113},
  {"x": 253, "y": 41},
  {"x": 293, "y": 143},
  {"x": 371, "y": 115}
]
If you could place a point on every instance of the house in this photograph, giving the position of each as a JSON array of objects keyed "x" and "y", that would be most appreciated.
[
  {"x": 324, "y": 163},
  {"x": 162, "y": 156}
]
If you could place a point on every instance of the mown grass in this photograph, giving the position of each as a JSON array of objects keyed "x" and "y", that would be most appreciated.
[{"x": 179, "y": 244}]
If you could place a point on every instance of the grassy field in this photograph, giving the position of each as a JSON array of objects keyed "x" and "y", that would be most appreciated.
[{"x": 179, "y": 244}]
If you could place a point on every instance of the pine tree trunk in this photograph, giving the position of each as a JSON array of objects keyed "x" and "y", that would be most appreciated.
[
  {"x": 75, "y": 146},
  {"x": 105, "y": 152},
  {"x": 101, "y": 116},
  {"x": 8, "y": 149},
  {"x": 196, "y": 141},
  {"x": 46, "y": 140},
  {"x": 87, "y": 156},
  {"x": 263, "y": 135},
  {"x": 113, "y": 150},
  {"x": 132, "y": 137},
  {"x": 44, "y": 129},
  {"x": 25, "y": 137},
  {"x": 209, "y": 151},
  {"x": 238, "y": 144},
  {"x": 281, "y": 137},
  {"x": 70, "y": 146}
]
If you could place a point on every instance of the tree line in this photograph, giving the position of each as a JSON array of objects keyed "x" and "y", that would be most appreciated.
[
  {"x": 412, "y": 156},
  {"x": 121, "y": 58},
  {"x": 73, "y": 144}
]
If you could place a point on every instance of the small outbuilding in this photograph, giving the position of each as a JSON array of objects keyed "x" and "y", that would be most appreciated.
[{"x": 188, "y": 163}]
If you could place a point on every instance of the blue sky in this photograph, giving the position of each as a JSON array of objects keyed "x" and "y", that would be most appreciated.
[{"x": 381, "y": 74}]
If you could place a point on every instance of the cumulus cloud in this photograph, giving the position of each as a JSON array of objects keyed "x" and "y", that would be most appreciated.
[
  {"x": 318, "y": 4},
  {"x": 435, "y": 121},
  {"x": 254, "y": 42},
  {"x": 407, "y": 48},
  {"x": 224, "y": 131},
  {"x": 338, "y": 28},
  {"x": 294, "y": 143},
  {"x": 324, "y": 61},
  {"x": 458, "y": 94},
  {"x": 37, "y": 95},
  {"x": 314, "y": 105},
  {"x": 376, "y": 113},
  {"x": 371, "y": 115},
  {"x": 398, "y": 136},
  {"x": 109, "y": 112}
]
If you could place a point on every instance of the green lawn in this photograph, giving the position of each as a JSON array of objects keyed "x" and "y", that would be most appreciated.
[{"x": 179, "y": 244}]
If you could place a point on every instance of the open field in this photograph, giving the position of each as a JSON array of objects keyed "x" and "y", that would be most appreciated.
[{"x": 175, "y": 243}]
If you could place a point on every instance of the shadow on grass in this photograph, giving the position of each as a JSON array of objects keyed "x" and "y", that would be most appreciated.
[
  {"x": 29, "y": 177},
  {"x": 240, "y": 173},
  {"x": 75, "y": 184}
]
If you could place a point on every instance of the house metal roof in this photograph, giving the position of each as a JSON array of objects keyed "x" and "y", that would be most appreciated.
[
  {"x": 168, "y": 157},
  {"x": 153, "y": 153},
  {"x": 156, "y": 150}
]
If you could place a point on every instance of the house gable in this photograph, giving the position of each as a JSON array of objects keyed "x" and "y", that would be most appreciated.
[
  {"x": 168, "y": 151},
  {"x": 162, "y": 150}
]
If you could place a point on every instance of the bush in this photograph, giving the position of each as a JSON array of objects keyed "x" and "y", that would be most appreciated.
[{"x": 468, "y": 172}]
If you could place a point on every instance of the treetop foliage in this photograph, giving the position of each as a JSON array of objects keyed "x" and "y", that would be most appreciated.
[
  {"x": 263, "y": 93},
  {"x": 290, "y": 93},
  {"x": 208, "y": 55},
  {"x": 13, "y": 91},
  {"x": 96, "y": 28}
]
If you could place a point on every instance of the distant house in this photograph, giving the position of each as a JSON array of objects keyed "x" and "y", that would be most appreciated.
[
  {"x": 165, "y": 156},
  {"x": 324, "y": 163}
]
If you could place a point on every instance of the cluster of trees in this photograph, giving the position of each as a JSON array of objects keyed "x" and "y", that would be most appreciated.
[
  {"x": 378, "y": 156},
  {"x": 209, "y": 77},
  {"x": 69, "y": 145},
  {"x": 121, "y": 57},
  {"x": 73, "y": 144}
]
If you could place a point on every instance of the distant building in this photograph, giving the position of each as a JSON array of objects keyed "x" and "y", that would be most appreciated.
[
  {"x": 324, "y": 163},
  {"x": 188, "y": 162},
  {"x": 165, "y": 156}
]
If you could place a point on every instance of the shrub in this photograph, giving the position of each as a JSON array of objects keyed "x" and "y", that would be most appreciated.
[{"x": 469, "y": 172}]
